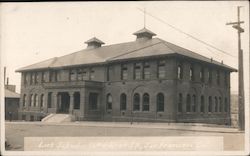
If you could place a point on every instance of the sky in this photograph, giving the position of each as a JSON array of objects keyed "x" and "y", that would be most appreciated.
[{"x": 33, "y": 32}]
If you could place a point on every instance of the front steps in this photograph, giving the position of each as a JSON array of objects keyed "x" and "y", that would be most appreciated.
[{"x": 57, "y": 118}]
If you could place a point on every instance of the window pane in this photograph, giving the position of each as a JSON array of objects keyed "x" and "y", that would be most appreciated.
[
  {"x": 160, "y": 102},
  {"x": 202, "y": 104},
  {"x": 180, "y": 71},
  {"x": 123, "y": 101},
  {"x": 93, "y": 99},
  {"x": 109, "y": 101},
  {"x": 76, "y": 100},
  {"x": 145, "y": 106},
  {"x": 84, "y": 75},
  {"x": 188, "y": 106},
  {"x": 194, "y": 104},
  {"x": 137, "y": 71},
  {"x": 161, "y": 69},
  {"x": 180, "y": 103},
  {"x": 146, "y": 70},
  {"x": 124, "y": 72},
  {"x": 220, "y": 104},
  {"x": 216, "y": 104},
  {"x": 136, "y": 102},
  {"x": 210, "y": 104}
]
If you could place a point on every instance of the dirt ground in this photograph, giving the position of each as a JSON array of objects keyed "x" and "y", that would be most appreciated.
[{"x": 15, "y": 133}]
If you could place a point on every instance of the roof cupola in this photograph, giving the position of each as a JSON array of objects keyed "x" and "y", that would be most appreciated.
[
  {"x": 144, "y": 34},
  {"x": 94, "y": 43}
]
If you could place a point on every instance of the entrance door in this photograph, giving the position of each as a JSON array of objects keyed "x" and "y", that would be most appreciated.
[{"x": 64, "y": 101}]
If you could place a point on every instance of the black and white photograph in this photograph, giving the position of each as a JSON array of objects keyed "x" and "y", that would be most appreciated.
[{"x": 124, "y": 78}]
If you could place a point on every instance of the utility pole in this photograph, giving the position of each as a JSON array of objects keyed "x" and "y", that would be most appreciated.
[
  {"x": 241, "y": 103},
  {"x": 4, "y": 73}
]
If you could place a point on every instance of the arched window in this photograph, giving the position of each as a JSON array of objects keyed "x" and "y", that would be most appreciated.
[
  {"x": 123, "y": 102},
  {"x": 210, "y": 103},
  {"x": 31, "y": 100},
  {"x": 225, "y": 105},
  {"x": 109, "y": 102},
  {"x": 194, "y": 103},
  {"x": 42, "y": 101},
  {"x": 220, "y": 104},
  {"x": 160, "y": 102},
  {"x": 49, "y": 102},
  {"x": 188, "y": 106},
  {"x": 35, "y": 100},
  {"x": 216, "y": 104},
  {"x": 136, "y": 102},
  {"x": 202, "y": 108},
  {"x": 180, "y": 103},
  {"x": 180, "y": 71},
  {"x": 145, "y": 105},
  {"x": 24, "y": 100}
]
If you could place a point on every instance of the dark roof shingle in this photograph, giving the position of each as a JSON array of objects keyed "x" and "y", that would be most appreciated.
[{"x": 128, "y": 50}]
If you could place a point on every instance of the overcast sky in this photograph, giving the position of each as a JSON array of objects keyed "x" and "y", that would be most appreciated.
[{"x": 32, "y": 32}]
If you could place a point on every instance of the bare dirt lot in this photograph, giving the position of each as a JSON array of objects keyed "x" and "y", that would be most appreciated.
[{"x": 15, "y": 132}]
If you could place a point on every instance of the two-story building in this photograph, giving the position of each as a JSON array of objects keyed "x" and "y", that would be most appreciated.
[{"x": 147, "y": 79}]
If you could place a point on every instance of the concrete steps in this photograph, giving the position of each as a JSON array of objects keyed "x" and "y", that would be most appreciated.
[{"x": 57, "y": 118}]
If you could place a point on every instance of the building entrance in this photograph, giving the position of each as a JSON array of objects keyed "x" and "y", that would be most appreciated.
[{"x": 63, "y": 102}]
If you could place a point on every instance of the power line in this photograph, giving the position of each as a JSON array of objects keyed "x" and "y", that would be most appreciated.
[{"x": 191, "y": 36}]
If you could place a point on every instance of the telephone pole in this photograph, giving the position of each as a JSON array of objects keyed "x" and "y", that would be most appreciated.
[{"x": 241, "y": 103}]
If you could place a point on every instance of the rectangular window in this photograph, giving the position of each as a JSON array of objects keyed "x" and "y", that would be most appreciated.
[
  {"x": 210, "y": 76},
  {"x": 225, "y": 79},
  {"x": 161, "y": 69},
  {"x": 32, "y": 78},
  {"x": 180, "y": 103},
  {"x": 124, "y": 72},
  {"x": 92, "y": 74},
  {"x": 43, "y": 76},
  {"x": 146, "y": 70},
  {"x": 93, "y": 99},
  {"x": 108, "y": 73},
  {"x": 50, "y": 76},
  {"x": 25, "y": 78},
  {"x": 218, "y": 77},
  {"x": 180, "y": 71},
  {"x": 79, "y": 74},
  {"x": 49, "y": 100},
  {"x": 202, "y": 75},
  {"x": 84, "y": 75},
  {"x": 191, "y": 73},
  {"x": 36, "y": 77},
  {"x": 72, "y": 75},
  {"x": 137, "y": 71},
  {"x": 56, "y": 76}
]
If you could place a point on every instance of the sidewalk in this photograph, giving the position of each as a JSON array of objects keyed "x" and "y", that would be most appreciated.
[{"x": 169, "y": 126}]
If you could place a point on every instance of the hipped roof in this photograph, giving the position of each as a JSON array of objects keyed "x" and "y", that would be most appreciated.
[{"x": 122, "y": 51}]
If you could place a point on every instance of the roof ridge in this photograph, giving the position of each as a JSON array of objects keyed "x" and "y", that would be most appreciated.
[
  {"x": 132, "y": 51},
  {"x": 53, "y": 61}
]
